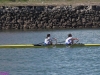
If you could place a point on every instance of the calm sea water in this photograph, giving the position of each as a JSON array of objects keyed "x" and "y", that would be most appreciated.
[{"x": 50, "y": 61}]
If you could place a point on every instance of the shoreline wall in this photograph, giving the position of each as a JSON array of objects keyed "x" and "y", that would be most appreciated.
[{"x": 49, "y": 17}]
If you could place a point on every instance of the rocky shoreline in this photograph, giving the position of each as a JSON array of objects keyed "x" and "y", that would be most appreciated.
[{"x": 49, "y": 17}]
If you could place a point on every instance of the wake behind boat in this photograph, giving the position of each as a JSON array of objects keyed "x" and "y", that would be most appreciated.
[{"x": 46, "y": 46}]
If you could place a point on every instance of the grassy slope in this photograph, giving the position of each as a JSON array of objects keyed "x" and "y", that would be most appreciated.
[{"x": 48, "y": 2}]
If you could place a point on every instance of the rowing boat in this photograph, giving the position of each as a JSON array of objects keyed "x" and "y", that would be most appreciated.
[
  {"x": 31, "y": 46},
  {"x": 43, "y": 46}
]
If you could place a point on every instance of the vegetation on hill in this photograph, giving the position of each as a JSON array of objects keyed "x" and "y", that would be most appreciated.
[{"x": 48, "y": 2}]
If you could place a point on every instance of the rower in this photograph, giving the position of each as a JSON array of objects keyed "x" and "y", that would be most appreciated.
[
  {"x": 70, "y": 40},
  {"x": 48, "y": 40}
]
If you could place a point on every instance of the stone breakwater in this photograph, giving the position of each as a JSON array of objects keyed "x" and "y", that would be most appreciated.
[{"x": 49, "y": 17}]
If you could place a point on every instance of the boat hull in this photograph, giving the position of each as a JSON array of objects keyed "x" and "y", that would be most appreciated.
[
  {"x": 44, "y": 46},
  {"x": 31, "y": 46}
]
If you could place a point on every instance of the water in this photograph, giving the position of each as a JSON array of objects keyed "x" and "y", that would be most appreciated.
[{"x": 50, "y": 61}]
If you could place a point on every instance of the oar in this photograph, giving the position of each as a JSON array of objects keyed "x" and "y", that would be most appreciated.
[{"x": 76, "y": 41}]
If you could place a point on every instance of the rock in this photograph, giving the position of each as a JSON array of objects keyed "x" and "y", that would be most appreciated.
[{"x": 49, "y": 17}]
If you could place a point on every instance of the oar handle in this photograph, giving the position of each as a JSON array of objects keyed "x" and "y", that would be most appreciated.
[
  {"x": 76, "y": 41},
  {"x": 55, "y": 41}
]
